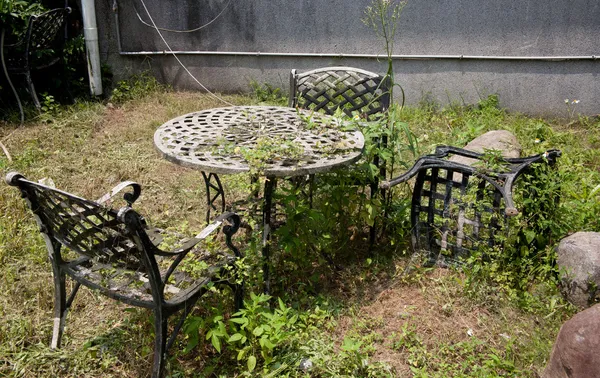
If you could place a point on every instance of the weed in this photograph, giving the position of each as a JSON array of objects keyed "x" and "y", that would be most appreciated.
[
  {"x": 136, "y": 87},
  {"x": 338, "y": 319},
  {"x": 267, "y": 94}
]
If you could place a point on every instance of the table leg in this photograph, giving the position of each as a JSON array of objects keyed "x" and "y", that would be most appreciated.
[
  {"x": 214, "y": 190},
  {"x": 270, "y": 184}
]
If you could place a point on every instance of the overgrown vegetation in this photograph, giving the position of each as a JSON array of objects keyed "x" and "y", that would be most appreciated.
[
  {"x": 65, "y": 82},
  {"x": 337, "y": 308}
]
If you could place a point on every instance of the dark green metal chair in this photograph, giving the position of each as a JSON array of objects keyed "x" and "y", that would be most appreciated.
[{"x": 117, "y": 254}]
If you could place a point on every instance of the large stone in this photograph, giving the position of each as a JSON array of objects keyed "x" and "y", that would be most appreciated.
[
  {"x": 578, "y": 259},
  {"x": 575, "y": 352},
  {"x": 502, "y": 140}
]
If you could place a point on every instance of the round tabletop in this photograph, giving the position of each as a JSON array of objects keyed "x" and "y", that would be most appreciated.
[{"x": 284, "y": 141}]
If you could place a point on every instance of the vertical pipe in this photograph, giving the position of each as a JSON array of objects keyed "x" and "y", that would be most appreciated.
[{"x": 90, "y": 33}]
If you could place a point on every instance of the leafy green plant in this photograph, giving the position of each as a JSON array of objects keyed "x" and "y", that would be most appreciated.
[
  {"x": 268, "y": 94},
  {"x": 136, "y": 87},
  {"x": 406, "y": 340},
  {"x": 259, "y": 331},
  {"x": 49, "y": 105},
  {"x": 15, "y": 13}
]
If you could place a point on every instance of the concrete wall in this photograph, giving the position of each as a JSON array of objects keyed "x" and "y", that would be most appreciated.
[{"x": 439, "y": 29}]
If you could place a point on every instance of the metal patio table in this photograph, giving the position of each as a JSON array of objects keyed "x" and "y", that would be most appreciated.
[{"x": 211, "y": 142}]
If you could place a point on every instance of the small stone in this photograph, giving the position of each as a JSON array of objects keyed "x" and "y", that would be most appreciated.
[{"x": 305, "y": 365}]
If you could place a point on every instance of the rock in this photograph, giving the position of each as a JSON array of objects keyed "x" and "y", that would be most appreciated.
[
  {"x": 501, "y": 140},
  {"x": 575, "y": 352},
  {"x": 578, "y": 259},
  {"x": 305, "y": 365}
]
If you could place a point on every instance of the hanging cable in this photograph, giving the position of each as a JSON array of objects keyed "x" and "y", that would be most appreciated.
[
  {"x": 179, "y": 61},
  {"x": 184, "y": 31}
]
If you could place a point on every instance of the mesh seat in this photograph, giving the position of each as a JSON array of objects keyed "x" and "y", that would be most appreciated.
[
  {"x": 117, "y": 254},
  {"x": 457, "y": 208}
]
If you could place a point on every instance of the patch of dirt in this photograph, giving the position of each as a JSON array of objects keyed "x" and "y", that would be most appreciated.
[{"x": 432, "y": 312}]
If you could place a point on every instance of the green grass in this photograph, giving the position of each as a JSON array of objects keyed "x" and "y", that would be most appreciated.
[{"x": 376, "y": 317}]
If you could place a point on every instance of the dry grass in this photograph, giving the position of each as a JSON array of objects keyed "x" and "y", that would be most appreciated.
[{"x": 89, "y": 150}]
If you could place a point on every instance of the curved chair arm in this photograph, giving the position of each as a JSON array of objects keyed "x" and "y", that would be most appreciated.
[
  {"x": 137, "y": 224},
  {"x": 228, "y": 230},
  {"x": 504, "y": 185},
  {"x": 129, "y": 197},
  {"x": 12, "y": 178},
  {"x": 444, "y": 151}
]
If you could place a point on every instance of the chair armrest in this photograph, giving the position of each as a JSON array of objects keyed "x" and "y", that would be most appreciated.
[
  {"x": 504, "y": 186},
  {"x": 228, "y": 230},
  {"x": 129, "y": 197}
]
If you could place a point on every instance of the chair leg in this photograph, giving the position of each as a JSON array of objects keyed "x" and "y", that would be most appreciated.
[
  {"x": 373, "y": 229},
  {"x": 160, "y": 343},
  {"x": 61, "y": 302},
  {"x": 238, "y": 296},
  {"x": 60, "y": 308},
  {"x": 32, "y": 92}
]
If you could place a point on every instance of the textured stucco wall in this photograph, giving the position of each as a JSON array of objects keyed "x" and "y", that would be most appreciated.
[{"x": 428, "y": 27}]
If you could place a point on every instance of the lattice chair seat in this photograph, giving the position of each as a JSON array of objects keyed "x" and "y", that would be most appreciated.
[
  {"x": 457, "y": 208},
  {"x": 116, "y": 253}
]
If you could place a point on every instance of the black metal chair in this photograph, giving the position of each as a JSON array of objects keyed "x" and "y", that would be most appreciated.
[
  {"x": 331, "y": 88},
  {"x": 40, "y": 47},
  {"x": 458, "y": 208},
  {"x": 117, "y": 254},
  {"x": 354, "y": 91}
]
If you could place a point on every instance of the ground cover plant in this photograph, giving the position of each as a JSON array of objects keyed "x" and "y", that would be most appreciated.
[{"x": 337, "y": 308}]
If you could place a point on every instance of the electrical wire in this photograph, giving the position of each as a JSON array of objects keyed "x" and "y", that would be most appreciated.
[
  {"x": 184, "y": 31},
  {"x": 178, "y": 60}
]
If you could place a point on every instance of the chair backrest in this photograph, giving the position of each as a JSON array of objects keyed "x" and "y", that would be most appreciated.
[
  {"x": 350, "y": 89},
  {"x": 43, "y": 31},
  {"x": 83, "y": 226}
]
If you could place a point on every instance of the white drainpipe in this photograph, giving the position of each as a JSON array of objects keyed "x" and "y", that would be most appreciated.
[{"x": 90, "y": 33}]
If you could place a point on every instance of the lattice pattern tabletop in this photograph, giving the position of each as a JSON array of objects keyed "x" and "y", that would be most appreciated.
[{"x": 213, "y": 140}]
